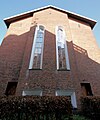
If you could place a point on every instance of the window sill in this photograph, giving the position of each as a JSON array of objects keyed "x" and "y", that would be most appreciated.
[
  {"x": 35, "y": 69},
  {"x": 63, "y": 70}
]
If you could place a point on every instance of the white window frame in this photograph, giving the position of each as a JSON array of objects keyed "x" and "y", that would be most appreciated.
[
  {"x": 32, "y": 92},
  {"x": 33, "y": 48},
  {"x": 70, "y": 93},
  {"x": 66, "y": 49}
]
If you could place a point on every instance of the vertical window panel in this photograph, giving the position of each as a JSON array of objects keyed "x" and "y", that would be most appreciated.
[
  {"x": 37, "y": 49},
  {"x": 61, "y": 50}
]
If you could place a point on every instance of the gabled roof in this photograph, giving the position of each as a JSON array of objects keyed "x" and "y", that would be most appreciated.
[{"x": 11, "y": 19}]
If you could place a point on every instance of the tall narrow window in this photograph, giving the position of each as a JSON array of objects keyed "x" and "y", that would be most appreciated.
[
  {"x": 37, "y": 49},
  {"x": 61, "y": 49}
]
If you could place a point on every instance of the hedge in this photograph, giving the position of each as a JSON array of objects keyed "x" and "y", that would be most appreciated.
[
  {"x": 91, "y": 107},
  {"x": 35, "y": 108}
]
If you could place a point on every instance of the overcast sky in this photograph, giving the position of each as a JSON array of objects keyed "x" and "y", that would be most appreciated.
[{"x": 88, "y": 8}]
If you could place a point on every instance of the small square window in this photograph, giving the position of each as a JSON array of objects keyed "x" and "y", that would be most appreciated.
[
  {"x": 86, "y": 89},
  {"x": 11, "y": 88}
]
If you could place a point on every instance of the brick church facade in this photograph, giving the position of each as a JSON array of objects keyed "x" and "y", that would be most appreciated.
[{"x": 50, "y": 51}]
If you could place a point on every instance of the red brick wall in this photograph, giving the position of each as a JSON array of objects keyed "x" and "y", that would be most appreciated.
[
  {"x": 48, "y": 78},
  {"x": 12, "y": 52},
  {"x": 84, "y": 55},
  {"x": 87, "y": 54}
]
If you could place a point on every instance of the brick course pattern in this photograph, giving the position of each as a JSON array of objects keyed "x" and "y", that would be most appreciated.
[{"x": 84, "y": 55}]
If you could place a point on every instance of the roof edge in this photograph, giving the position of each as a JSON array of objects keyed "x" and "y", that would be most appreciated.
[{"x": 11, "y": 19}]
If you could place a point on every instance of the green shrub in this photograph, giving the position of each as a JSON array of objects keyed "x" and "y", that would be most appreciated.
[
  {"x": 78, "y": 117},
  {"x": 91, "y": 107},
  {"x": 39, "y": 108}
]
